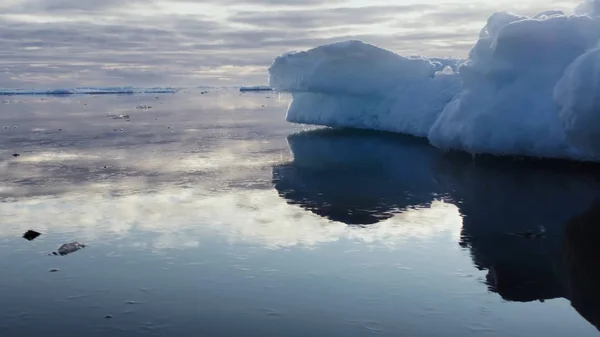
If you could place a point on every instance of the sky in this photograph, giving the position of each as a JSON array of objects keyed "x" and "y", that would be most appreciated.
[{"x": 185, "y": 43}]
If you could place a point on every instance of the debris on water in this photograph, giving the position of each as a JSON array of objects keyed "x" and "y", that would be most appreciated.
[
  {"x": 529, "y": 234},
  {"x": 53, "y": 270},
  {"x": 69, "y": 248},
  {"x": 121, "y": 117},
  {"x": 31, "y": 235},
  {"x": 16, "y": 155}
]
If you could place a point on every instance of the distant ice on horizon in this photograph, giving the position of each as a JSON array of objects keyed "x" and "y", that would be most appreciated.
[
  {"x": 529, "y": 87},
  {"x": 256, "y": 88},
  {"x": 87, "y": 91}
]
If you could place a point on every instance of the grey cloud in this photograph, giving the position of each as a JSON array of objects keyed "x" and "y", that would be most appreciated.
[
  {"x": 105, "y": 43},
  {"x": 71, "y": 6},
  {"x": 268, "y": 3},
  {"x": 326, "y": 17}
]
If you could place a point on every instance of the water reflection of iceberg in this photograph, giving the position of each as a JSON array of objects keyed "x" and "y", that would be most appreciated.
[
  {"x": 363, "y": 177},
  {"x": 357, "y": 177},
  {"x": 498, "y": 197},
  {"x": 581, "y": 256}
]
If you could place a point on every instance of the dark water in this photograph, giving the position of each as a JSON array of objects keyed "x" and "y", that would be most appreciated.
[{"x": 208, "y": 215}]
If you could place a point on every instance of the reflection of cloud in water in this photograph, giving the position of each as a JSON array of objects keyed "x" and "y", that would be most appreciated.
[
  {"x": 69, "y": 143},
  {"x": 183, "y": 217}
]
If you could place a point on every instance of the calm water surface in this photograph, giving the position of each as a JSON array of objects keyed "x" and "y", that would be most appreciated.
[{"x": 209, "y": 215}]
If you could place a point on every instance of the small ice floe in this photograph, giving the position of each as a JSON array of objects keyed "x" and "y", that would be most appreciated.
[
  {"x": 256, "y": 88},
  {"x": 69, "y": 248},
  {"x": 143, "y": 107},
  {"x": 31, "y": 235},
  {"x": 118, "y": 116}
]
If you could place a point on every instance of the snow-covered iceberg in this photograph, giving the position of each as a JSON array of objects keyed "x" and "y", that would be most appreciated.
[
  {"x": 88, "y": 91},
  {"x": 353, "y": 84},
  {"x": 527, "y": 88},
  {"x": 578, "y": 99}
]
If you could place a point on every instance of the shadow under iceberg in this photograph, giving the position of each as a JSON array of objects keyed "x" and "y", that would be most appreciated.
[{"x": 515, "y": 211}]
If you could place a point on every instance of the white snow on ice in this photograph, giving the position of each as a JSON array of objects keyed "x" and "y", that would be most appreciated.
[{"x": 528, "y": 87}]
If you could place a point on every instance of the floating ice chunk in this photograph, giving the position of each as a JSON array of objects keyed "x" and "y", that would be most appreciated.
[
  {"x": 69, "y": 248},
  {"x": 256, "y": 88},
  {"x": 353, "y": 84},
  {"x": 503, "y": 99}
]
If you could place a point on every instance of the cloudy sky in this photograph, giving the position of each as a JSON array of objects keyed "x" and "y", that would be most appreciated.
[{"x": 66, "y": 43}]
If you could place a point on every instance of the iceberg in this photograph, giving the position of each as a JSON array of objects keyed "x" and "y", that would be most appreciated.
[
  {"x": 579, "y": 104},
  {"x": 348, "y": 84},
  {"x": 526, "y": 89},
  {"x": 87, "y": 91}
]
